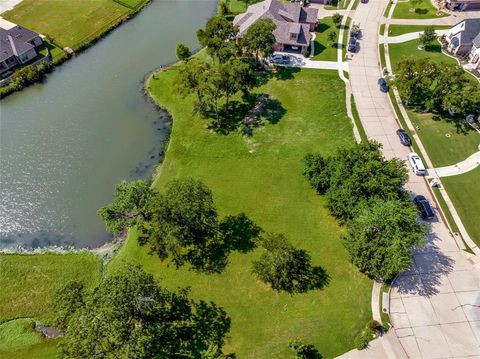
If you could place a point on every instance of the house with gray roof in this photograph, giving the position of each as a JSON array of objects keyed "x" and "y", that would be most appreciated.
[
  {"x": 294, "y": 23},
  {"x": 17, "y": 45},
  {"x": 474, "y": 57},
  {"x": 460, "y": 38}
]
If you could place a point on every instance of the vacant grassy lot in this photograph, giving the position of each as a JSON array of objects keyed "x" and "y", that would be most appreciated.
[
  {"x": 69, "y": 23},
  {"x": 445, "y": 141},
  {"x": 425, "y": 10},
  {"x": 396, "y": 30},
  {"x": 261, "y": 175},
  {"x": 464, "y": 191},
  {"x": 29, "y": 282},
  {"x": 324, "y": 50},
  {"x": 19, "y": 340},
  {"x": 410, "y": 49}
]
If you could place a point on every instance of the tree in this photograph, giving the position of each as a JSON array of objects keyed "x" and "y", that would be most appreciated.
[
  {"x": 184, "y": 227},
  {"x": 380, "y": 239},
  {"x": 69, "y": 299},
  {"x": 183, "y": 52},
  {"x": 286, "y": 268},
  {"x": 354, "y": 176},
  {"x": 259, "y": 38},
  {"x": 223, "y": 8},
  {"x": 304, "y": 351},
  {"x": 337, "y": 19},
  {"x": 219, "y": 37},
  {"x": 129, "y": 316},
  {"x": 428, "y": 36},
  {"x": 193, "y": 78},
  {"x": 415, "y": 3},
  {"x": 129, "y": 206},
  {"x": 332, "y": 37}
]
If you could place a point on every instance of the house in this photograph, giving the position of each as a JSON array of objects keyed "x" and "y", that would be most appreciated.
[
  {"x": 462, "y": 5},
  {"x": 294, "y": 23},
  {"x": 460, "y": 38},
  {"x": 474, "y": 57},
  {"x": 17, "y": 45}
]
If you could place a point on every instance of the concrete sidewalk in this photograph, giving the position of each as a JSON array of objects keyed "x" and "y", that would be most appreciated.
[
  {"x": 453, "y": 19},
  {"x": 466, "y": 165},
  {"x": 407, "y": 37}
]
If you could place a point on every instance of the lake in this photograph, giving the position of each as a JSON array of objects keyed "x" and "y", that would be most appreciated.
[{"x": 65, "y": 144}]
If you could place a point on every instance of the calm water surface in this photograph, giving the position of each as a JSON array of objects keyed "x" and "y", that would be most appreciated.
[{"x": 64, "y": 144}]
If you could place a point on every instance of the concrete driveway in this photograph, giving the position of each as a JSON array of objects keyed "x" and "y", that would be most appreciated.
[{"x": 435, "y": 305}]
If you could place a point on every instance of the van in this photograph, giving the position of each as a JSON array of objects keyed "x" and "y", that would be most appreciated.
[{"x": 417, "y": 165}]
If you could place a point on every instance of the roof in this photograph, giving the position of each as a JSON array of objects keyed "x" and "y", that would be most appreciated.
[
  {"x": 476, "y": 41},
  {"x": 470, "y": 31},
  {"x": 288, "y": 18},
  {"x": 15, "y": 41}
]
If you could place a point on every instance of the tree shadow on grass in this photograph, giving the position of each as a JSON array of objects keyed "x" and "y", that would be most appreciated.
[
  {"x": 286, "y": 73},
  {"x": 253, "y": 112},
  {"x": 240, "y": 232}
]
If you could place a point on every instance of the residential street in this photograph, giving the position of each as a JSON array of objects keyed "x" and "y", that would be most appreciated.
[{"x": 435, "y": 305}]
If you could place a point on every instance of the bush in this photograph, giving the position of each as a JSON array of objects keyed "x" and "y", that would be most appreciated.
[{"x": 25, "y": 76}]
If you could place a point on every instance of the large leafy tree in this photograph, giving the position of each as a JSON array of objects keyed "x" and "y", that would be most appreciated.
[
  {"x": 193, "y": 78},
  {"x": 129, "y": 206},
  {"x": 259, "y": 38},
  {"x": 183, "y": 52},
  {"x": 354, "y": 176},
  {"x": 129, "y": 316},
  {"x": 219, "y": 37},
  {"x": 380, "y": 239},
  {"x": 287, "y": 268},
  {"x": 428, "y": 36}
]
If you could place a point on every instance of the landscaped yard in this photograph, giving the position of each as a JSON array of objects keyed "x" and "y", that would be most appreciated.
[
  {"x": 69, "y": 23},
  {"x": 261, "y": 175},
  {"x": 29, "y": 282},
  {"x": 324, "y": 50},
  {"x": 410, "y": 49},
  {"x": 396, "y": 30},
  {"x": 464, "y": 191},
  {"x": 425, "y": 10}
]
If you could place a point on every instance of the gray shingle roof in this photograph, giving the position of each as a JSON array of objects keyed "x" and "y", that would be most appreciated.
[
  {"x": 15, "y": 41},
  {"x": 470, "y": 32},
  {"x": 476, "y": 41},
  {"x": 284, "y": 16}
]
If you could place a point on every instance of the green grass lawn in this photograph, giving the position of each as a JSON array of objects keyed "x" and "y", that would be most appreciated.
[
  {"x": 28, "y": 282},
  {"x": 324, "y": 50},
  {"x": 410, "y": 49},
  {"x": 464, "y": 191},
  {"x": 261, "y": 175},
  {"x": 69, "y": 23},
  {"x": 445, "y": 142},
  {"x": 19, "y": 340},
  {"x": 425, "y": 10},
  {"x": 396, "y": 30},
  {"x": 345, "y": 37}
]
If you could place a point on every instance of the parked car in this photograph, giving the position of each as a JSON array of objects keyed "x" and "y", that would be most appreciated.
[
  {"x": 280, "y": 59},
  {"x": 383, "y": 84},
  {"x": 417, "y": 164},
  {"x": 426, "y": 211},
  {"x": 471, "y": 119},
  {"x": 404, "y": 138},
  {"x": 352, "y": 44}
]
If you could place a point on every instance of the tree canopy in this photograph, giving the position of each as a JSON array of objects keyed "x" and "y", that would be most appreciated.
[
  {"x": 380, "y": 238},
  {"x": 183, "y": 52},
  {"x": 428, "y": 36},
  {"x": 259, "y": 38},
  {"x": 304, "y": 351},
  {"x": 354, "y": 176},
  {"x": 287, "y": 268},
  {"x": 129, "y": 316},
  {"x": 181, "y": 224},
  {"x": 441, "y": 88},
  {"x": 219, "y": 37}
]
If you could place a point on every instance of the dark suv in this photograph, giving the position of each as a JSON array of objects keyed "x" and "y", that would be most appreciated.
[
  {"x": 403, "y": 136},
  {"x": 426, "y": 211},
  {"x": 352, "y": 44}
]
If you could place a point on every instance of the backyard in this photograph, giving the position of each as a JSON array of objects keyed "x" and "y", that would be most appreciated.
[
  {"x": 324, "y": 50},
  {"x": 261, "y": 175},
  {"x": 70, "y": 23},
  {"x": 423, "y": 10}
]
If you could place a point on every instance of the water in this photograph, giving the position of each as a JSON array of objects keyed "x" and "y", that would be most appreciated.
[{"x": 66, "y": 143}]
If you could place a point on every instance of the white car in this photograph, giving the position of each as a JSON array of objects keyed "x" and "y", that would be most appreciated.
[{"x": 417, "y": 165}]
